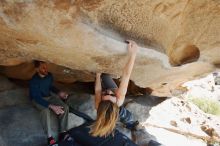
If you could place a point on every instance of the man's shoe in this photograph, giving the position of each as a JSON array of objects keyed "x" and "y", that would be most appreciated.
[{"x": 51, "y": 141}]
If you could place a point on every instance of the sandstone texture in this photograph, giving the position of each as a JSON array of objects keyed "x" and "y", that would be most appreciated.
[
  {"x": 205, "y": 88},
  {"x": 62, "y": 74},
  {"x": 183, "y": 118},
  {"x": 179, "y": 39}
]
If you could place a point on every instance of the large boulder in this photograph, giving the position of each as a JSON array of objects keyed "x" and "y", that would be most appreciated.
[
  {"x": 6, "y": 84},
  {"x": 89, "y": 36}
]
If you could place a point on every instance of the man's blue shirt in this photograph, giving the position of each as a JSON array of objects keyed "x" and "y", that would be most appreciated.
[{"x": 41, "y": 87}]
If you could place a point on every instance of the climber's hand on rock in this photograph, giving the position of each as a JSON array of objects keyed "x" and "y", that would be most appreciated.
[{"x": 132, "y": 47}]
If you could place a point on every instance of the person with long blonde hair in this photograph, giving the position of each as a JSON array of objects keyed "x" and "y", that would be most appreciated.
[
  {"x": 108, "y": 103},
  {"x": 109, "y": 97}
]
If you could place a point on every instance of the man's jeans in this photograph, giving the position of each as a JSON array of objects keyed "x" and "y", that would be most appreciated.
[{"x": 45, "y": 115}]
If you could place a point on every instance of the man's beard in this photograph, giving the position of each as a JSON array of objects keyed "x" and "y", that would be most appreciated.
[{"x": 43, "y": 74}]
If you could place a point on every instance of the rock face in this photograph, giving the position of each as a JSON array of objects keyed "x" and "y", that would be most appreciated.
[
  {"x": 89, "y": 36},
  {"x": 5, "y": 84},
  {"x": 20, "y": 122},
  {"x": 30, "y": 125},
  {"x": 204, "y": 88},
  {"x": 26, "y": 70},
  {"x": 184, "y": 118}
]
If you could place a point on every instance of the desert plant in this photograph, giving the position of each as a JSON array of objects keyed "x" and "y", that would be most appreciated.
[{"x": 209, "y": 106}]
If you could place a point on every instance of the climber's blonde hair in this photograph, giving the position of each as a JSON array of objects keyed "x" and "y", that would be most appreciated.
[{"x": 107, "y": 116}]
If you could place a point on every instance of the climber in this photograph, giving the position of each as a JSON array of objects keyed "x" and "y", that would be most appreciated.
[
  {"x": 108, "y": 103},
  {"x": 109, "y": 98}
]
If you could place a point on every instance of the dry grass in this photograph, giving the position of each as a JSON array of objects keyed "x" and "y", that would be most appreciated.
[{"x": 209, "y": 106}]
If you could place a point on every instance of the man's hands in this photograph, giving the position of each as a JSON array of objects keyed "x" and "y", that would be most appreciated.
[
  {"x": 59, "y": 109},
  {"x": 63, "y": 95},
  {"x": 56, "y": 109},
  {"x": 132, "y": 47}
]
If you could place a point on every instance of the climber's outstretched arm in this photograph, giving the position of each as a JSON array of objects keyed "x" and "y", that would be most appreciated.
[{"x": 121, "y": 91}]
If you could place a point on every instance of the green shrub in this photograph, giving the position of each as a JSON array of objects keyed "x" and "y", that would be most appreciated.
[{"x": 207, "y": 105}]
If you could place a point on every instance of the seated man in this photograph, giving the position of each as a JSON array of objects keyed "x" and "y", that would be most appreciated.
[{"x": 41, "y": 85}]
